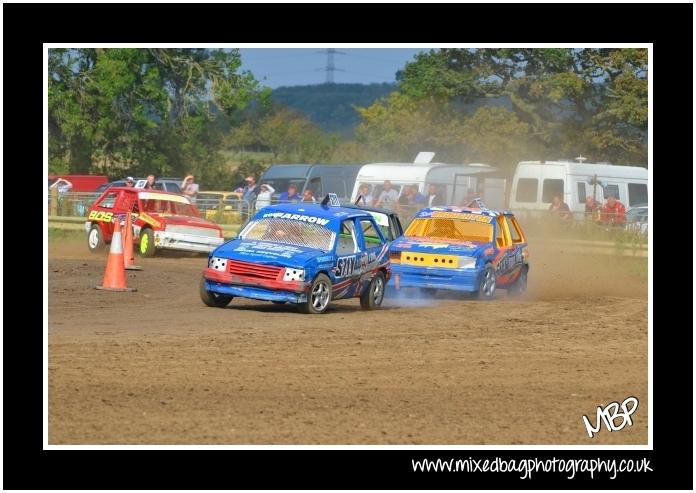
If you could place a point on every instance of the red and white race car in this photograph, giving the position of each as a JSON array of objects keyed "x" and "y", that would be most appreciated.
[{"x": 160, "y": 220}]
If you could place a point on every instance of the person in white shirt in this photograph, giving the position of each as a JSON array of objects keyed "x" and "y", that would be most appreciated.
[
  {"x": 364, "y": 195},
  {"x": 62, "y": 185},
  {"x": 388, "y": 196},
  {"x": 263, "y": 199}
]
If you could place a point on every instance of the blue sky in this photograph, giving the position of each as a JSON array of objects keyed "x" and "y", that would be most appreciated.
[{"x": 302, "y": 66}]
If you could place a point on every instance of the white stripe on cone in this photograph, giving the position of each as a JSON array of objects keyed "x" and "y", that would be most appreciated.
[{"x": 116, "y": 246}]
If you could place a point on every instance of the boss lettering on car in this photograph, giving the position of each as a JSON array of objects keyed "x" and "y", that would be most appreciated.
[{"x": 101, "y": 216}]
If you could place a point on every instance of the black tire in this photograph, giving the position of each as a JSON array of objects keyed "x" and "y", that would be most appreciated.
[
  {"x": 520, "y": 285},
  {"x": 486, "y": 291},
  {"x": 95, "y": 239},
  {"x": 318, "y": 295},
  {"x": 146, "y": 243},
  {"x": 213, "y": 299},
  {"x": 373, "y": 296}
]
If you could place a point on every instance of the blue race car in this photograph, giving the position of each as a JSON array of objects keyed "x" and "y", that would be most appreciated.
[
  {"x": 463, "y": 249},
  {"x": 307, "y": 254}
]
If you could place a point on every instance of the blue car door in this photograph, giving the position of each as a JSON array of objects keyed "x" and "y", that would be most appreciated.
[{"x": 349, "y": 257}]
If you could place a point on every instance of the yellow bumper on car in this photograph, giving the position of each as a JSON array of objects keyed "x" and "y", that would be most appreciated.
[{"x": 430, "y": 260}]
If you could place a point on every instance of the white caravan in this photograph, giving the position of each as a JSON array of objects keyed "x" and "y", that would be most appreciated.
[
  {"x": 456, "y": 182},
  {"x": 536, "y": 182}
]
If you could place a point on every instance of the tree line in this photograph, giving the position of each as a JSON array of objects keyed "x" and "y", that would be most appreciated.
[{"x": 172, "y": 111}]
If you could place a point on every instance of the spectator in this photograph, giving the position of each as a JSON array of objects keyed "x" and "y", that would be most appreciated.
[
  {"x": 249, "y": 191},
  {"x": 291, "y": 195},
  {"x": 613, "y": 213},
  {"x": 62, "y": 185},
  {"x": 559, "y": 210},
  {"x": 308, "y": 196},
  {"x": 263, "y": 199},
  {"x": 592, "y": 209},
  {"x": 364, "y": 195},
  {"x": 189, "y": 188},
  {"x": 413, "y": 196},
  {"x": 405, "y": 192},
  {"x": 150, "y": 182},
  {"x": 388, "y": 195},
  {"x": 435, "y": 198}
]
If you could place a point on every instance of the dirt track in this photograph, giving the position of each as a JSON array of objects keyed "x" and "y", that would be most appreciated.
[{"x": 158, "y": 367}]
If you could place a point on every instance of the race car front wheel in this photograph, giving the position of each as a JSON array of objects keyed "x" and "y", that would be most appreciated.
[
  {"x": 216, "y": 300},
  {"x": 146, "y": 243},
  {"x": 95, "y": 239},
  {"x": 487, "y": 283},
  {"x": 319, "y": 295},
  {"x": 374, "y": 294}
]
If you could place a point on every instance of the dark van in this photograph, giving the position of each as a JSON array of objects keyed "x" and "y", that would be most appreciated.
[{"x": 320, "y": 178}]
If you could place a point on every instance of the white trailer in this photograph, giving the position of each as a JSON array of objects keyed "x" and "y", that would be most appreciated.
[
  {"x": 536, "y": 182},
  {"x": 456, "y": 182}
]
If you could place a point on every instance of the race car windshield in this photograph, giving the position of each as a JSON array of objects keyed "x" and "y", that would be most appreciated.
[
  {"x": 290, "y": 232},
  {"x": 451, "y": 229},
  {"x": 168, "y": 207}
]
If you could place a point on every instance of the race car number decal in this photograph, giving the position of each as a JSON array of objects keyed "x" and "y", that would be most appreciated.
[
  {"x": 101, "y": 216},
  {"x": 345, "y": 266},
  {"x": 509, "y": 261}
]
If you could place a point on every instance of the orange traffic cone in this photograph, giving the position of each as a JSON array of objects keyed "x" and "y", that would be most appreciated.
[
  {"x": 128, "y": 259},
  {"x": 115, "y": 273}
]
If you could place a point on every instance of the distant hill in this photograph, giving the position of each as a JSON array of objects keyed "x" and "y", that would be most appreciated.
[{"x": 331, "y": 105}]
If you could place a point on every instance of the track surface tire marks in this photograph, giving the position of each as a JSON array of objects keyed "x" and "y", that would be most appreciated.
[{"x": 158, "y": 367}]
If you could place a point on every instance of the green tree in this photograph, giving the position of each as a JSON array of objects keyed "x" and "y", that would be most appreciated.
[
  {"x": 590, "y": 101},
  {"x": 143, "y": 110}
]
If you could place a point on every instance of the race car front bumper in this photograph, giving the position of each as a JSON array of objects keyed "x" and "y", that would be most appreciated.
[
  {"x": 187, "y": 242},
  {"x": 407, "y": 276},
  {"x": 258, "y": 289}
]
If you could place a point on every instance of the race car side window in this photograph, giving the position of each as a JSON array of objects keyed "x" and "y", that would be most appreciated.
[
  {"x": 502, "y": 237},
  {"x": 109, "y": 200},
  {"x": 347, "y": 242},
  {"x": 370, "y": 235},
  {"x": 514, "y": 231}
]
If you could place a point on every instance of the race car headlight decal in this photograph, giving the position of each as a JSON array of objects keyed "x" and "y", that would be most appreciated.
[
  {"x": 292, "y": 274},
  {"x": 218, "y": 263},
  {"x": 467, "y": 262}
]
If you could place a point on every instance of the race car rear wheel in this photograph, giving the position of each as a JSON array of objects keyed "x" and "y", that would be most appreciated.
[
  {"x": 146, "y": 243},
  {"x": 95, "y": 239},
  {"x": 374, "y": 294},
  {"x": 216, "y": 300},
  {"x": 520, "y": 285},
  {"x": 319, "y": 295},
  {"x": 487, "y": 283}
]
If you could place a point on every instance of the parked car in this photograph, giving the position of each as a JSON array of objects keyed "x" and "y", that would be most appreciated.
[
  {"x": 463, "y": 249},
  {"x": 319, "y": 178},
  {"x": 161, "y": 220},
  {"x": 208, "y": 202},
  {"x": 169, "y": 184},
  {"x": 306, "y": 254},
  {"x": 637, "y": 219},
  {"x": 165, "y": 184}
]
